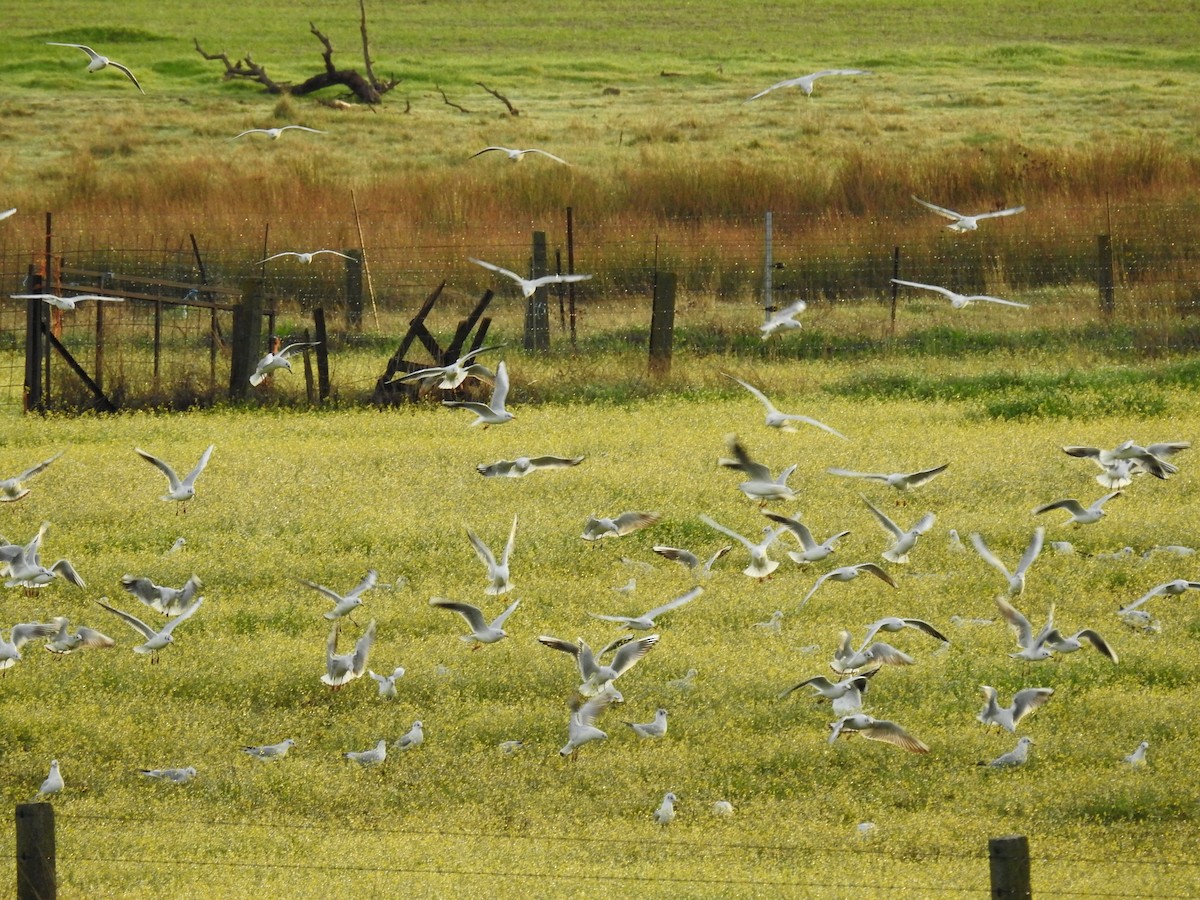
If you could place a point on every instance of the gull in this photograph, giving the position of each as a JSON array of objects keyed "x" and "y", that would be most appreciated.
[
  {"x": 1138, "y": 756},
  {"x": 52, "y": 785},
  {"x": 166, "y": 600},
  {"x": 1015, "y": 757},
  {"x": 598, "y": 527},
  {"x": 760, "y": 485},
  {"x": 274, "y": 133},
  {"x": 67, "y": 303},
  {"x": 497, "y": 572},
  {"x": 481, "y": 630},
  {"x": 451, "y": 376},
  {"x": 269, "y": 752},
  {"x": 654, "y": 729},
  {"x": 846, "y": 695},
  {"x": 344, "y": 668},
  {"x": 412, "y": 738},
  {"x": 12, "y": 489},
  {"x": 518, "y": 155},
  {"x": 847, "y": 661},
  {"x": 628, "y": 588},
  {"x": 665, "y": 814},
  {"x": 24, "y": 568},
  {"x": 387, "y": 683},
  {"x": 905, "y": 540},
  {"x": 277, "y": 359},
  {"x": 957, "y": 300},
  {"x": 18, "y": 637},
  {"x": 172, "y": 776},
  {"x": 344, "y": 604},
  {"x": 523, "y": 465},
  {"x": 1064, "y": 547},
  {"x": 305, "y": 257},
  {"x": 581, "y": 727},
  {"x": 956, "y": 544},
  {"x": 1169, "y": 589},
  {"x": 1080, "y": 514},
  {"x": 1151, "y": 460},
  {"x": 848, "y": 573},
  {"x": 722, "y": 808},
  {"x": 760, "y": 565},
  {"x": 4, "y": 214},
  {"x": 784, "y": 319},
  {"x": 1033, "y": 646},
  {"x": 960, "y": 222},
  {"x": 96, "y": 62},
  {"x": 1007, "y": 717},
  {"x": 896, "y": 623},
  {"x": 367, "y": 758},
  {"x": 805, "y": 82},
  {"x": 684, "y": 682},
  {"x": 1016, "y": 578},
  {"x": 155, "y": 640},
  {"x": 783, "y": 421},
  {"x": 176, "y": 546},
  {"x": 178, "y": 490},
  {"x": 1174, "y": 549},
  {"x": 689, "y": 559},
  {"x": 63, "y": 641},
  {"x": 596, "y": 676},
  {"x": 645, "y": 622},
  {"x": 898, "y": 480},
  {"x": 492, "y": 412},
  {"x": 813, "y": 551},
  {"x": 774, "y": 625},
  {"x": 1057, "y": 642},
  {"x": 508, "y": 748},
  {"x": 877, "y": 730},
  {"x": 529, "y": 285}
]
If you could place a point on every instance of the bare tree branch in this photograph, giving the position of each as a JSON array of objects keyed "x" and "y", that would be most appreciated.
[
  {"x": 512, "y": 110},
  {"x": 362, "y": 8},
  {"x": 447, "y": 101},
  {"x": 245, "y": 68}
]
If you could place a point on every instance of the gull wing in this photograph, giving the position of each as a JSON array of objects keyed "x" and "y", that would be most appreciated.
[
  {"x": 678, "y": 554},
  {"x": 162, "y": 467},
  {"x": 498, "y": 622},
  {"x": 499, "y": 389},
  {"x": 762, "y": 398},
  {"x": 1019, "y": 623},
  {"x": 1027, "y": 700},
  {"x": 846, "y": 473},
  {"x": 877, "y": 571},
  {"x": 1098, "y": 642},
  {"x": 366, "y": 584},
  {"x": 482, "y": 551},
  {"x": 66, "y": 570},
  {"x": 1032, "y": 550},
  {"x": 1011, "y": 211},
  {"x": 940, "y": 210},
  {"x": 490, "y": 266},
  {"x": 473, "y": 614},
  {"x": 195, "y": 473},
  {"x": 888, "y": 524},
  {"x": 33, "y": 470},
  {"x": 633, "y": 651},
  {"x": 725, "y": 531},
  {"x": 820, "y": 682},
  {"x": 182, "y": 617},
  {"x": 133, "y": 621},
  {"x": 743, "y": 462},
  {"x": 512, "y": 537},
  {"x": 361, "y": 648},
  {"x": 892, "y": 733},
  {"x": 1072, "y": 506},
  {"x": 928, "y": 287},
  {"x": 628, "y": 522},
  {"x": 675, "y": 604}
]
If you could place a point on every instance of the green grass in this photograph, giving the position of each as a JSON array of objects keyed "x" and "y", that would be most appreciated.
[{"x": 328, "y": 495}]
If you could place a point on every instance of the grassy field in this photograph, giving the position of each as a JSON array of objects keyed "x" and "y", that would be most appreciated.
[{"x": 396, "y": 494}]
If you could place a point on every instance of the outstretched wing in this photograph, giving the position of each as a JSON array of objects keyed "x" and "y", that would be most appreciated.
[
  {"x": 676, "y": 603},
  {"x": 940, "y": 210}
]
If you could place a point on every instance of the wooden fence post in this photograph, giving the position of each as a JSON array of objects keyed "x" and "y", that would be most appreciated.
[
  {"x": 247, "y": 336},
  {"x": 662, "y": 324},
  {"x": 537, "y": 310},
  {"x": 571, "y": 271},
  {"x": 768, "y": 267},
  {"x": 354, "y": 290},
  {"x": 35, "y": 852},
  {"x": 322, "y": 348},
  {"x": 106, "y": 281},
  {"x": 1008, "y": 859},
  {"x": 35, "y": 344},
  {"x": 1104, "y": 273},
  {"x": 895, "y": 287}
]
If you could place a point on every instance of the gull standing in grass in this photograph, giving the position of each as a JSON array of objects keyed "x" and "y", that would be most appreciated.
[
  {"x": 1169, "y": 589},
  {"x": 66, "y": 303},
  {"x": 341, "y": 669},
  {"x": 499, "y": 580},
  {"x": 450, "y": 376},
  {"x": 178, "y": 490},
  {"x": 1015, "y": 757},
  {"x": 773, "y": 625},
  {"x": 52, "y": 785},
  {"x": 962, "y": 223},
  {"x": 412, "y": 738},
  {"x": 305, "y": 257},
  {"x": 171, "y": 776},
  {"x": 166, "y": 600},
  {"x": 783, "y": 319},
  {"x": 368, "y": 758},
  {"x": 760, "y": 564},
  {"x": 899, "y": 480},
  {"x": 848, "y": 661},
  {"x": 274, "y": 133},
  {"x": 877, "y": 730},
  {"x": 645, "y": 622},
  {"x": 665, "y": 814},
  {"x": 813, "y": 551},
  {"x": 1016, "y": 578},
  {"x": 805, "y": 82},
  {"x": 481, "y": 630},
  {"x": 1080, "y": 514},
  {"x": 523, "y": 465},
  {"x": 492, "y": 412},
  {"x": 277, "y": 359},
  {"x": 702, "y": 569},
  {"x": 268, "y": 752},
  {"x": 18, "y": 637},
  {"x": 518, "y": 155},
  {"x": 783, "y": 421},
  {"x": 63, "y": 641},
  {"x": 656, "y": 728},
  {"x": 1007, "y": 717},
  {"x": 155, "y": 640},
  {"x": 597, "y": 527},
  {"x": 1138, "y": 757},
  {"x": 96, "y": 62},
  {"x": 597, "y": 676},
  {"x": 905, "y": 540},
  {"x": 12, "y": 489},
  {"x": 529, "y": 285},
  {"x": 848, "y": 573},
  {"x": 387, "y": 683},
  {"x": 344, "y": 605},
  {"x": 957, "y": 300},
  {"x": 581, "y": 727}
]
